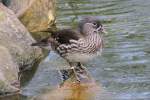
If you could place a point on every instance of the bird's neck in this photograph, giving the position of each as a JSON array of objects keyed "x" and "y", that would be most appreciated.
[
  {"x": 94, "y": 39},
  {"x": 92, "y": 36}
]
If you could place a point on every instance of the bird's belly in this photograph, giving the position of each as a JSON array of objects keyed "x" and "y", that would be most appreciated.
[{"x": 83, "y": 58}]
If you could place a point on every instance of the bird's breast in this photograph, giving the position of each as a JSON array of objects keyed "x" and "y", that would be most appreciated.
[{"x": 80, "y": 57}]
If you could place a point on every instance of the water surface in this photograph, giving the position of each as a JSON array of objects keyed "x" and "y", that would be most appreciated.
[{"x": 124, "y": 67}]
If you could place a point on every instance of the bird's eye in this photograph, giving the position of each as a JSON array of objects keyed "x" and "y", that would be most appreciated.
[{"x": 95, "y": 24}]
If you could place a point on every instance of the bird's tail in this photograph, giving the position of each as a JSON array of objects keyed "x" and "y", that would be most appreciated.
[{"x": 41, "y": 44}]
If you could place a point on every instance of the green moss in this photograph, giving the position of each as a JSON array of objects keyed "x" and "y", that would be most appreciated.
[
  {"x": 5, "y": 88},
  {"x": 2, "y": 15},
  {"x": 2, "y": 85}
]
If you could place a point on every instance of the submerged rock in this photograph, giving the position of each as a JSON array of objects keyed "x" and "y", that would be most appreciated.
[{"x": 15, "y": 49}]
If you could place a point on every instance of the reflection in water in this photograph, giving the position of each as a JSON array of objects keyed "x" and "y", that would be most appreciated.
[{"x": 76, "y": 91}]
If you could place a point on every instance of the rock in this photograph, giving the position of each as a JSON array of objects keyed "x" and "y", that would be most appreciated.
[
  {"x": 15, "y": 49},
  {"x": 36, "y": 15},
  {"x": 13, "y": 97},
  {"x": 8, "y": 71}
]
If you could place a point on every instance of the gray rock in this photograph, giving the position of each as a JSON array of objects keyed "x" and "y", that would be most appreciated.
[
  {"x": 15, "y": 49},
  {"x": 8, "y": 71}
]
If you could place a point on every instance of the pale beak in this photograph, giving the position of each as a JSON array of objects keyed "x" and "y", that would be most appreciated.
[
  {"x": 104, "y": 31},
  {"x": 101, "y": 29}
]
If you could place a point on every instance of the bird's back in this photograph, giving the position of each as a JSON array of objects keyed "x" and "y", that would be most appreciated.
[{"x": 64, "y": 36}]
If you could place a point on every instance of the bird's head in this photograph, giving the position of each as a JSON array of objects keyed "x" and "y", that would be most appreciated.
[{"x": 89, "y": 24}]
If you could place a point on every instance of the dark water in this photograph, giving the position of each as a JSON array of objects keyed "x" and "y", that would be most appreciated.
[{"x": 124, "y": 67}]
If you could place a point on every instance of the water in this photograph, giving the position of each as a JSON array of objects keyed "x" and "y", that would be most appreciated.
[{"x": 124, "y": 67}]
